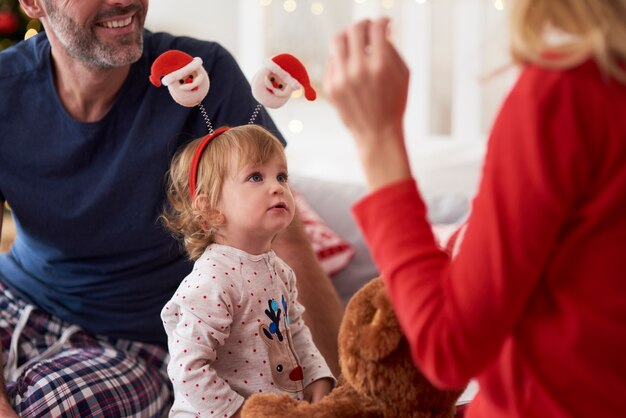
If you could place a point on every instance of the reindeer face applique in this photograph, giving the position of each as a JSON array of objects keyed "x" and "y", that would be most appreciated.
[{"x": 286, "y": 369}]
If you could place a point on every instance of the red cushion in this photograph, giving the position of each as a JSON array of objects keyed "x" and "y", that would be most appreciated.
[{"x": 333, "y": 252}]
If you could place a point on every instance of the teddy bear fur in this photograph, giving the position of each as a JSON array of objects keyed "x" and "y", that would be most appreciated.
[{"x": 378, "y": 378}]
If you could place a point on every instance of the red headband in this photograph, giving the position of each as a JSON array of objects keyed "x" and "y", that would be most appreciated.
[{"x": 193, "y": 173}]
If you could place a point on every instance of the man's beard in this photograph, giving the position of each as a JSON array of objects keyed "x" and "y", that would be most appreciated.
[{"x": 82, "y": 43}]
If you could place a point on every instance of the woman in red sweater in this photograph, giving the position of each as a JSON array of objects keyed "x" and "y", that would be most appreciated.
[{"x": 534, "y": 304}]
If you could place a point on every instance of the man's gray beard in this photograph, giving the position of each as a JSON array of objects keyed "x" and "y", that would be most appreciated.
[
  {"x": 82, "y": 43},
  {"x": 103, "y": 57}
]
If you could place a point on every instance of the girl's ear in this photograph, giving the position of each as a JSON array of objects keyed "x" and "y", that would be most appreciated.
[
  {"x": 212, "y": 217},
  {"x": 216, "y": 218},
  {"x": 33, "y": 8},
  {"x": 201, "y": 203}
]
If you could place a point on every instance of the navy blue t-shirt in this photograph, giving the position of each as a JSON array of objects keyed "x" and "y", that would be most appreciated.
[{"x": 86, "y": 196}]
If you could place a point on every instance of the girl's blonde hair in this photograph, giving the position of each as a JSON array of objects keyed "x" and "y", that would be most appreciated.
[
  {"x": 586, "y": 28},
  {"x": 187, "y": 220}
]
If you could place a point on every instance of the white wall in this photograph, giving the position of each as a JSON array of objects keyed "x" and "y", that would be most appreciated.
[{"x": 204, "y": 19}]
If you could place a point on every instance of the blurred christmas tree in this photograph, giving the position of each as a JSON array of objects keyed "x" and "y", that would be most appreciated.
[{"x": 14, "y": 24}]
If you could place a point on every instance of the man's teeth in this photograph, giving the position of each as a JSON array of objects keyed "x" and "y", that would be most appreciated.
[{"x": 117, "y": 23}]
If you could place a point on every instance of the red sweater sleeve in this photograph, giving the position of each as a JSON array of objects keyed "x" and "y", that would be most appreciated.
[{"x": 457, "y": 314}]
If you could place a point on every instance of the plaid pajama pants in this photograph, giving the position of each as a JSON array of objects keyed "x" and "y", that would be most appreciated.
[{"x": 53, "y": 369}]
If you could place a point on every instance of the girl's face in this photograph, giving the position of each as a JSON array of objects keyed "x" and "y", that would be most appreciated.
[{"x": 256, "y": 203}]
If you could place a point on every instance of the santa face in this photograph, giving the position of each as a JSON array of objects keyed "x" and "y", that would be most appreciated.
[
  {"x": 269, "y": 89},
  {"x": 101, "y": 35},
  {"x": 192, "y": 89}
]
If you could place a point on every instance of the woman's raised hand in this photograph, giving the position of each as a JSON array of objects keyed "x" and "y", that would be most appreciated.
[{"x": 367, "y": 82}]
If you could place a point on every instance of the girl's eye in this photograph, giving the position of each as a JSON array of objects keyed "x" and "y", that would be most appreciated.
[
  {"x": 255, "y": 178},
  {"x": 282, "y": 178}
]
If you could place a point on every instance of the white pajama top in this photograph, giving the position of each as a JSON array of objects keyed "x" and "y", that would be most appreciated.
[{"x": 235, "y": 328}]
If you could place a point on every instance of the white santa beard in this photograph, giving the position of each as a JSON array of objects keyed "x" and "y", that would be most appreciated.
[
  {"x": 270, "y": 100},
  {"x": 267, "y": 99},
  {"x": 183, "y": 94}
]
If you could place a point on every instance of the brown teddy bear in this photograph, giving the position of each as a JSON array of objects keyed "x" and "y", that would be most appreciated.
[{"x": 378, "y": 377}]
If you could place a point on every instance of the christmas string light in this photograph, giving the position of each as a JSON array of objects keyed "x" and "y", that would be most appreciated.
[
  {"x": 317, "y": 8},
  {"x": 290, "y": 5}
]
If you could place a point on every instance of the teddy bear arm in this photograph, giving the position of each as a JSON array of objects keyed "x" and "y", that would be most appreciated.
[{"x": 342, "y": 402}]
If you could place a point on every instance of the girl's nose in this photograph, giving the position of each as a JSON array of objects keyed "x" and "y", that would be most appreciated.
[{"x": 277, "y": 188}]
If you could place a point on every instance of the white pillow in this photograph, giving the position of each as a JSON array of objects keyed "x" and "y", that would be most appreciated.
[{"x": 333, "y": 202}]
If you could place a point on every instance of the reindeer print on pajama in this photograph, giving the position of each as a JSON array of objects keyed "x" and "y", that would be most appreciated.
[{"x": 235, "y": 328}]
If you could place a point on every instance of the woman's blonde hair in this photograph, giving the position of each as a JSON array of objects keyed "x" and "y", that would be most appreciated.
[
  {"x": 586, "y": 28},
  {"x": 191, "y": 222}
]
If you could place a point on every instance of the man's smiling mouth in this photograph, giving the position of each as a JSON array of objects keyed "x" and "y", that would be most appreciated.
[{"x": 112, "y": 24}]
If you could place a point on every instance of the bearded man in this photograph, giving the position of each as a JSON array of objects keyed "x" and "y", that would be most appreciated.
[{"x": 82, "y": 162}]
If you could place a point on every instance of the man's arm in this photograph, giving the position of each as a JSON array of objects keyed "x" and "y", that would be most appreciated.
[{"x": 324, "y": 309}]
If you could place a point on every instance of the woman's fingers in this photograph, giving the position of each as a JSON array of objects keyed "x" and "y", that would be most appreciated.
[
  {"x": 366, "y": 79},
  {"x": 379, "y": 35},
  {"x": 358, "y": 42},
  {"x": 339, "y": 48}
]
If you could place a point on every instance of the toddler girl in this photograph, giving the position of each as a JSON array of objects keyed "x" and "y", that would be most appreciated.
[{"x": 234, "y": 324}]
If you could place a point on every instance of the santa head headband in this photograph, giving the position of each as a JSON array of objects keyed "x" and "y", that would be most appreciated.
[
  {"x": 171, "y": 66},
  {"x": 174, "y": 65},
  {"x": 195, "y": 161},
  {"x": 184, "y": 76},
  {"x": 293, "y": 72}
]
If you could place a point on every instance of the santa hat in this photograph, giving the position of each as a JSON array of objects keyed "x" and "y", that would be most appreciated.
[
  {"x": 173, "y": 65},
  {"x": 291, "y": 70}
]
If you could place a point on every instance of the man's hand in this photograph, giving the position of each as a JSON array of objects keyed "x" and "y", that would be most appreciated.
[
  {"x": 6, "y": 411},
  {"x": 315, "y": 291}
]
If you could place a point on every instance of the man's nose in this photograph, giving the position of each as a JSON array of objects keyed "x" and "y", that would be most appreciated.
[
  {"x": 188, "y": 80},
  {"x": 122, "y": 3}
]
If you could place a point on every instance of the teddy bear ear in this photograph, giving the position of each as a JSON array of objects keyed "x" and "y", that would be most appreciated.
[{"x": 374, "y": 324}]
